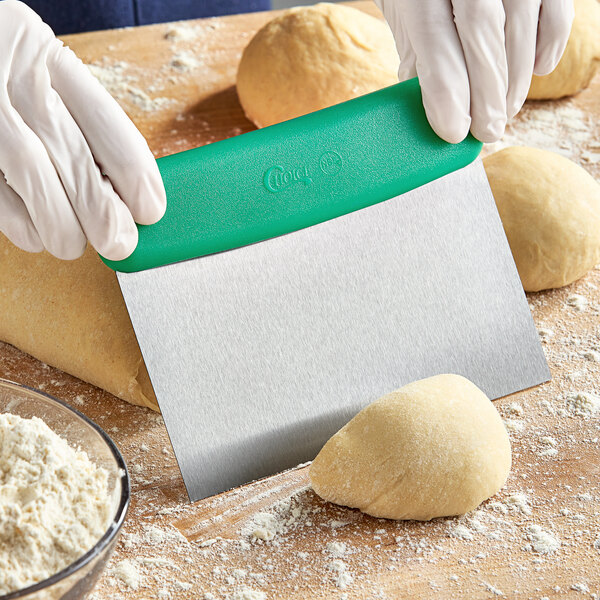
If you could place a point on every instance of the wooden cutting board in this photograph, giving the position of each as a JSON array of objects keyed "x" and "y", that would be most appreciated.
[{"x": 275, "y": 538}]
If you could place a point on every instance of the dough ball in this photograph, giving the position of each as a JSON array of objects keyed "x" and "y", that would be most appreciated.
[
  {"x": 436, "y": 447},
  {"x": 580, "y": 60},
  {"x": 550, "y": 209},
  {"x": 312, "y": 57}
]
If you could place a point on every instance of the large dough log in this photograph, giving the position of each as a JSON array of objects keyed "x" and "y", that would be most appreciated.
[{"x": 71, "y": 315}]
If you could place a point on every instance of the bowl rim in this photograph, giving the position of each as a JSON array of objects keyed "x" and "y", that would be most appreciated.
[{"x": 118, "y": 519}]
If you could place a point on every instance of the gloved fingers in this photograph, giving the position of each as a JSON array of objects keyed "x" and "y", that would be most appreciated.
[
  {"x": 104, "y": 218},
  {"x": 521, "y": 35},
  {"x": 440, "y": 66},
  {"x": 30, "y": 173},
  {"x": 15, "y": 223},
  {"x": 408, "y": 58},
  {"x": 18, "y": 14},
  {"x": 556, "y": 18},
  {"x": 116, "y": 145},
  {"x": 393, "y": 15},
  {"x": 480, "y": 27}
]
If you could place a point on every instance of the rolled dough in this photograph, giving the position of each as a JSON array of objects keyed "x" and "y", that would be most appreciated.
[
  {"x": 580, "y": 60},
  {"x": 550, "y": 210},
  {"x": 312, "y": 57},
  {"x": 71, "y": 315},
  {"x": 435, "y": 447}
]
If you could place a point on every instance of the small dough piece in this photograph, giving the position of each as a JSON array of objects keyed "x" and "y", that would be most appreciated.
[
  {"x": 580, "y": 60},
  {"x": 71, "y": 315},
  {"x": 436, "y": 447},
  {"x": 550, "y": 209},
  {"x": 312, "y": 57}
]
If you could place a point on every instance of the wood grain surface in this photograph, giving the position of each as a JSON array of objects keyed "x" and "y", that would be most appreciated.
[{"x": 539, "y": 537}]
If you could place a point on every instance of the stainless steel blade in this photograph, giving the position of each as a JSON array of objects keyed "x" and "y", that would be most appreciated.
[{"x": 259, "y": 354}]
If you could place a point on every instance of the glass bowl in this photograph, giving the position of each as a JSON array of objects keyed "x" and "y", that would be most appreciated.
[{"x": 75, "y": 581}]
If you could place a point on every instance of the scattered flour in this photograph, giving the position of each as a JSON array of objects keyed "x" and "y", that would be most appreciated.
[
  {"x": 578, "y": 302},
  {"x": 114, "y": 77},
  {"x": 542, "y": 541},
  {"x": 146, "y": 103},
  {"x": 122, "y": 81},
  {"x": 548, "y": 407},
  {"x": 548, "y": 446},
  {"x": 494, "y": 590},
  {"x": 591, "y": 355},
  {"x": 514, "y": 425},
  {"x": 247, "y": 594},
  {"x": 515, "y": 409},
  {"x": 184, "y": 62},
  {"x": 128, "y": 573},
  {"x": 342, "y": 577},
  {"x": 264, "y": 526},
  {"x": 336, "y": 549},
  {"x": 336, "y": 523},
  {"x": 461, "y": 531},
  {"x": 563, "y": 129},
  {"x": 178, "y": 32},
  {"x": 583, "y": 404},
  {"x": 54, "y": 502},
  {"x": 283, "y": 516},
  {"x": 519, "y": 502}
]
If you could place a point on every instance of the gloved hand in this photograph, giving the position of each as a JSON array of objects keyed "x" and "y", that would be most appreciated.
[
  {"x": 475, "y": 58},
  {"x": 75, "y": 165}
]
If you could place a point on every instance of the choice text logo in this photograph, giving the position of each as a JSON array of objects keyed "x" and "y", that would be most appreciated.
[{"x": 277, "y": 178}]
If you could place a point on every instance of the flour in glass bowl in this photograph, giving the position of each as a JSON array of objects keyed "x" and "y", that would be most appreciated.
[{"x": 54, "y": 502}]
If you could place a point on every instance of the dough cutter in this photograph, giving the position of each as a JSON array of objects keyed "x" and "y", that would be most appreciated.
[{"x": 303, "y": 270}]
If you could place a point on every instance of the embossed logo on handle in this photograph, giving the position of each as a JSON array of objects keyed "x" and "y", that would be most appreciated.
[
  {"x": 277, "y": 178},
  {"x": 330, "y": 162}
]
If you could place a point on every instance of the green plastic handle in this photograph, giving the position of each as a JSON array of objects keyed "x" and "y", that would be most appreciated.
[{"x": 295, "y": 174}]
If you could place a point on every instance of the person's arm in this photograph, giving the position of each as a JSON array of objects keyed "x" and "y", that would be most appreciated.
[
  {"x": 475, "y": 58},
  {"x": 73, "y": 167}
]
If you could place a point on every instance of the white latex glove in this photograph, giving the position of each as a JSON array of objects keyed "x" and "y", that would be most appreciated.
[
  {"x": 475, "y": 58},
  {"x": 60, "y": 131}
]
